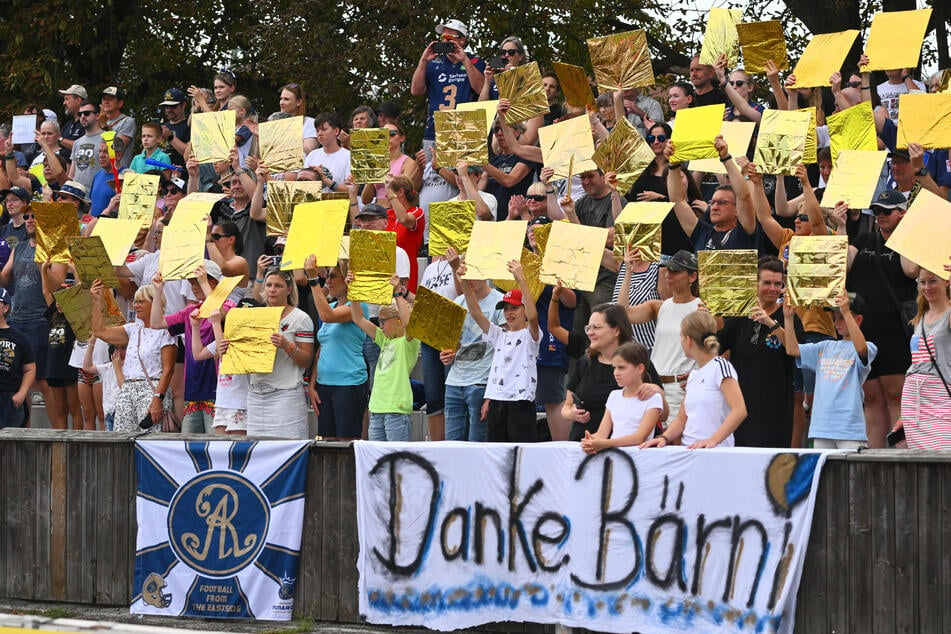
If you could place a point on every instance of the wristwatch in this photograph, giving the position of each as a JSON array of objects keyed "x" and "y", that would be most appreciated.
[
  {"x": 313, "y": 281},
  {"x": 157, "y": 395},
  {"x": 776, "y": 326},
  {"x": 922, "y": 172}
]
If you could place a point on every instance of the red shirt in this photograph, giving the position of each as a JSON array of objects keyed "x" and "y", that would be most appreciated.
[{"x": 410, "y": 240}]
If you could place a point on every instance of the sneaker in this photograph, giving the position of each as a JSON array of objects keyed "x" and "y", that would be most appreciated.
[{"x": 37, "y": 399}]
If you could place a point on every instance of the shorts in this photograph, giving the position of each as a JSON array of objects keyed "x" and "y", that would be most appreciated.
[
  {"x": 550, "y": 387},
  {"x": 87, "y": 378},
  {"x": 38, "y": 335},
  {"x": 894, "y": 357},
  {"x": 61, "y": 382},
  {"x": 180, "y": 356},
  {"x": 231, "y": 419},
  {"x": 341, "y": 410}
]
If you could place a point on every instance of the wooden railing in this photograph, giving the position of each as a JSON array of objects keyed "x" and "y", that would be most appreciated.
[{"x": 879, "y": 558}]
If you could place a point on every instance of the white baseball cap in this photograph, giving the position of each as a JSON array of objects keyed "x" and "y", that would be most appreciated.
[{"x": 455, "y": 25}]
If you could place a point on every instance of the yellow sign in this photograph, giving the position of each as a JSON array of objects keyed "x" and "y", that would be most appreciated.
[
  {"x": 281, "y": 145},
  {"x": 91, "y": 261},
  {"x": 118, "y": 236},
  {"x": 491, "y": 246},
  {"x": 282, "y": 197},
  {"x": 488, "y": 108},
  {"x": 460, "y": 136},
  {"x": 924, "y": 233},
  {"x": 248, "y": 331},
  {"x": 76, "y": 304},
  {"x": 218, "y": 295},
  {"x": 55, "y": 222},
  {"x": 854, "y": 178},
  {"x": 762, "y": 42},
  {"x": 720, "y": 37},
  {"x": 567, "y": 145},
  {"x": 522, "y": 86},
  {"x": 695, "y": 132},
  {"x": 728, "y": 281},
  {"x": 894, "y": 41},
  {"x": 816, "y": 270},
  {"x": 573, "y": 255},
  {"x": 638, "y": 226},
  {"x": 852, "y": 129},
  {"x": 624, "y": 152},
  {"x": 825, "y": 54},
  {"x": 369, "y": 155},
  {"x": 316, "y": 229},
  {"x": 531, "y": 267},
  {"x": 139, "y": 193},
  {"x": 450, "y": 225},
  {"x": 781, "y": 143},
  {"x": 737, "y": 135},
  {"x": 621, "y": 61},
  {"x": 213, "y": 135},
  {"x": 373, "y": 262},
  {"x": 435, "y": 320},
  {"x": 924, "y": 119},
  {"x": 573, "y": 81},
  {"x": 183, "y": 249}
]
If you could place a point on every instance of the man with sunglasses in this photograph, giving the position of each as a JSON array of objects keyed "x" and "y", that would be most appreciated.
[
  {"x": 85, "y": 154},
  {"x": 175, "y": 131},
  {"x": 448, "y": 79}
]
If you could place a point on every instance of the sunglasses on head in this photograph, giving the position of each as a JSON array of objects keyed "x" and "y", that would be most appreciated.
[
  {"x": 739, "y": 83},
  {"x": 536, "y": 197},
  {"x": 508, "y": 52},
  {"x": 802, "y": 218},
  {"x": 660, "y": 138}
]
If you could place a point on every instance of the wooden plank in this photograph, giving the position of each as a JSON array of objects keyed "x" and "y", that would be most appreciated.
[
  {"x": 75, "y": 519},
  {"x": 306, "y": 599},
  {"x": 25, "y": 541},
  {"x": 42, "y": 519},
  {"x": 58, "y": 521},
  {"x": 6, "y": 512},
  {"x": 812, "y": 600},
  {"x": 929, "y": 549},
  {"x": 18, "y": 520},
  {"x": 837, "y": 571},
  {"x": 105, "y": 541},
  {"x": 88, "y": 454},
  {"x": 330, "y": 536},
  {"x": 882, "y": 507},
  {"x": 905, "y": 529},
  {"x": 348, "y": 596},
  {"x": 860, "y": 547},
  {"x": 945, "y": 554},
  {"x": 126, "y": 484}
]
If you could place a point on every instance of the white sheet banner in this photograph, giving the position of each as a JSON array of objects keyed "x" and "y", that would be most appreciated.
[
  {"x": 219, "y": 528},
  {"x": 453, "y": 535}
]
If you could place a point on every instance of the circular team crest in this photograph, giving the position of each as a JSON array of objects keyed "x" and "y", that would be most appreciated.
[{"x": 218, "y": 523}]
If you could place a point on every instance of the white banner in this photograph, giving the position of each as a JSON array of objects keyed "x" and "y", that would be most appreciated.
[
  {"x": 453, "y": 535},
  {"x": 219, "y": 528}
]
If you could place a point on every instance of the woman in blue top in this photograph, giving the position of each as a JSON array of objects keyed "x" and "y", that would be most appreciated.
[{"x": 338, "y": 387}]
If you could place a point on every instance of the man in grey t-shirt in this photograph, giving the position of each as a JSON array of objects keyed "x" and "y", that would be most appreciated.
[
  {"x": 112, "y": 100},
  {"x": 85, "y": 154}
]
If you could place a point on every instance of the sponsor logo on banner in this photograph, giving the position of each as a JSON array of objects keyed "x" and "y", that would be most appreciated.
[
  {"x": 454, "y": 535},
  {"x": 220, "y": 538}
]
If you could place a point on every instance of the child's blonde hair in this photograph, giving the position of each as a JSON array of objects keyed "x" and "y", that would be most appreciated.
[{"x": 701, "y": 327}]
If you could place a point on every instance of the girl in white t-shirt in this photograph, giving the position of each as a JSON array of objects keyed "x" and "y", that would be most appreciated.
[
  {"x": 231, "y": 395},
  {"x": 713, "y": 405},
  {"x": 628, "y": 420}
]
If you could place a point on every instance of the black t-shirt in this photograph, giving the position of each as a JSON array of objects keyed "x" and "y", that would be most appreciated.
[
  {"x": 60, "y": 346},
  {"x": 506, "y": 163},
  {"x": 874, "y": 264},
  {"x": 73, "y": 130},
  {"x": 183, "y": 132},
  {"x": 765, "y": 373},
  {"x": 252, "y": 231},
  {"x": 15, "y": 352},
  {"x": 709, "y": 98}
]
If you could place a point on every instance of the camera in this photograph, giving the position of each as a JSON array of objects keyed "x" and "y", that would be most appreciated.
[
  {"x": 497, "y": 63},
  {"x": 442, "y": 48}
]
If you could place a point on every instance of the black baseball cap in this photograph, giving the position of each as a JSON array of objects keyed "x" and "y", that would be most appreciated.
[{"x": 683, "y": 260}]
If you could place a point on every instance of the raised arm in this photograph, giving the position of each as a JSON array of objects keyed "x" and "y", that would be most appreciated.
[
  {"x": 744, "y": 203},
  {"x": 771, "y": 227},
  {"x": 789, "y": 316},
  {"x": 531, "y": 311},
  {"x": 776, "y": 86},
  {"x": 356, "y": 315},
  {"x": 555, "y": 328},
  {"x": 334, "y": 315},
  {"x": 810, "y": 204},
  {"x": 468, "y": 191},
  {"x": 677, "y": 193},
  {"x": 472, "y": 302}
]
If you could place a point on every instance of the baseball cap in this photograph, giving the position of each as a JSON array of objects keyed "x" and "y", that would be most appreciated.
[
  {"x": 77, "y": 90},
  {"x": 113, "y": 91},
  {"x": 390, "y": 109},
  {"x": 17, "y": 191},
  {"x": 4, "y": 295},
  {"x": 890, "y": 199},
  {"x": 902, "y": 154},
  {"x": 539, "y": 220},
  {"x": 856, "y": 305},
  {"x": 213, "y": 270},
  {"x": 512, "y": 298},
  {"x": 372, "y": 210},
  {"x": 455, "y": 25},
  {"x": 683, "y": 260},
  {"x": 173, "y": 97}
]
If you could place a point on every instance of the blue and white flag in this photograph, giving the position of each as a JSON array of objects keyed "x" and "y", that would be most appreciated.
[{"x": 219, "y": 528}]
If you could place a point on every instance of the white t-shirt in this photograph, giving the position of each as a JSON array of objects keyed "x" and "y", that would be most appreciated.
[
  {"x": 337, "y": 162},
  {"x": 296, "y": 327},
  {"x": 153, "y": 340},
  {"x": 232, "y": 391},
  {"x": 110, "y": 386},
  {"x": 705, "y": 404},
  {"x": 145, "y": 268},
  {"x": 627, "y": 412},
  {"x": 474, "y": 356},
  {"x": 889, "y": 94},
  {"x": 310, "y": 132},
  {"x": 667, "y": 354},
  {"x": 438, "y": 278},
  {"x": 490, "y": 202},
  {"x": 513, "y": 375}
]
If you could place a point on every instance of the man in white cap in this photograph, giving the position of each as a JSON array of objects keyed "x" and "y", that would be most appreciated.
[
  {"x": 447, "y": 78},
  {"x": 72, "y": 127},
  {"x": 111, "y": 118}
]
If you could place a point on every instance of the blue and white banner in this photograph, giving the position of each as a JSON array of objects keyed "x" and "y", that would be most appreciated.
[
  {"x": 219, "y": 528},
  {"x": 453, "y": 535}
]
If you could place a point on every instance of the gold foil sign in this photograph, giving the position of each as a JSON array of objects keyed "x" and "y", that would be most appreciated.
[
  {"x": 824, "y": 55},
  {"x": 282, "y": 197},
  {"x": 139, "y": 193},
  {"x": 531, "y": 267},
  {"x": 373, "y": 262},
  {"x": 854, "y": 178},
  {"x": 213, "y": 135},
  {"x": 894, "y": 41},
  {"x": 695, "y": 132},
  {"x": 450, "y": 225},
  {"x": 194, "y": 208},
  {"x": 491, "y": 246},
  {"x": 541, "y": 233},
  {"x": 487, "y": 108},
  {"x": 573, "y": 81},
  {"x": 55, "y": 222},
  {"x": 762, "y": 42},
  {"x": 625, "y": 152},
  {"x": 567, "y": 144},
  {"x": 118, "y": 236},
  {"x": 281, "y": 145},
  {"x": 811, "y": 148},
  {"x": 852, "y": 129},
  {"x": 781, "y": 141},
  {"x": 737, "y": 135},
  {"x": 248, "y": 331},
  {"x": 924, "y": 119},
  {"x": 183, "y": 249},
  {"x": 621, "y": 61},
  {"x": 638, "y": 227},
  {"x": 728, "y": 281},
  {"x": 522, "y": 86},
  {"x": 316, "y": 229},
  {"x": 435, "y": 320},
  {"x": 816, "y": 271},
  {"x": 573, "y": 255},
  {"x": 369, "y": 155},
  {"x": 91, "y": 261},
  {"x": 924, "y": 233},
  {"x": 76, "y": 304},
  {"x": 460, "y": 136},
  {"x": 218, "y": 295},
  {"x": 720, "y": 37}
]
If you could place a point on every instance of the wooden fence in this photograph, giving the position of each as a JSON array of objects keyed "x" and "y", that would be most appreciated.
[{"x": 879, "y": 559}]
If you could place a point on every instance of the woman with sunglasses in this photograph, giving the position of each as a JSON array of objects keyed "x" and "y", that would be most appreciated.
[
  {"x": 512, "y": 52},
  {"x": 400, "y": 165},
  {"x": 225, "y": 245},
  {"x": 338, "y": 384},
  {"x": 292, "y": 102},
  {"x": 276, "y": 405},
  {"x": 652, "y": 184},
  {"x": 738, "y": 88}
]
